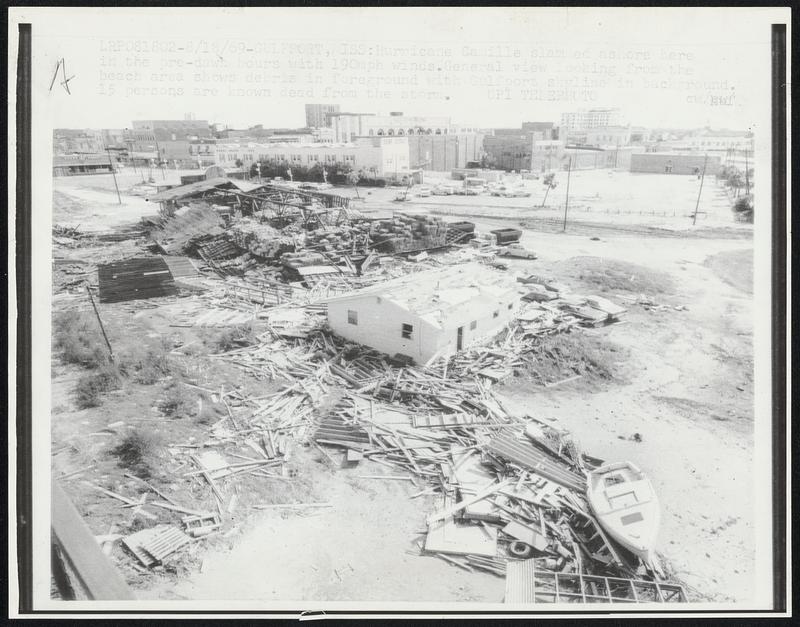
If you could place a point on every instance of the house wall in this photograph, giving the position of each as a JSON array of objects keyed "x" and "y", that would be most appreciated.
[
  {"x": 487, "y": 326},
  {"x": 380, "y": 326}
]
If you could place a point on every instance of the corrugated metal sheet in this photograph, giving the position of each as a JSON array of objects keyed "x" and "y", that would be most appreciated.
[
  {"x": 182, "y": 191},
  {"x": 520, "y": 581},
  {"x": 528, "y": 456},
  {"x": 180, "y": 266},
  {"x": 194, "y": 222},
  {"x": 132, "y": 279}
]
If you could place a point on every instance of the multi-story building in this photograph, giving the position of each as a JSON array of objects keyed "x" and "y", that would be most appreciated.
[
  {"x": 67, "y": 141},
  {"x": 385, "y": 157},
  {"x": 513, "y": 148},
  {"x": 347, "y": 126},
  {"x": 318, "y": 115},
  {"x": 170, "y": 139},
  {"x": 441, "y": 153},
  {"x": 583, "y": 119}
]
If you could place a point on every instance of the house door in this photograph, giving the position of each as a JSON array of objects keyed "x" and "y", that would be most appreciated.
[{"x": 459, "y": 338}]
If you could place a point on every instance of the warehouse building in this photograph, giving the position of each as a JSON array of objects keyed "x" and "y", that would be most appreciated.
[
  {"x": 674, "y": 163},
  {"x": 427, "y": 314},
  {"x": 385, "y": 157}
]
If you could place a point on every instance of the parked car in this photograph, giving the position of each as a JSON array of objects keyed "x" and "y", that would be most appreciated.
[
  {"x": 442, "y": 190},
  {"x": 500, "y": 265},
  {"x": 402, "y": 196},
  {"x": 517, "y": 251},
  {"x": 423, "y": 192}
]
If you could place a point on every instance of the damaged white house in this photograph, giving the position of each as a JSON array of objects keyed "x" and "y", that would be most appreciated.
[{"x": 427, "y": 314}]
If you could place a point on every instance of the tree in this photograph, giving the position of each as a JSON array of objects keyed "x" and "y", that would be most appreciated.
[
  {"x": 239, "y": 163},
  {"x": 352, "y": 179},
  {"x": 743, "y": 208},
  {"x": 550, "y": 183}
]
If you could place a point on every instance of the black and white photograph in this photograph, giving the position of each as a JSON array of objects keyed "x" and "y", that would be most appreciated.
[{"x": 405, "y": 309}]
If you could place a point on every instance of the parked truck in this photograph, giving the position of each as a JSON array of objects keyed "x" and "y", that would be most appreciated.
[{"x": 507, "y": 236}]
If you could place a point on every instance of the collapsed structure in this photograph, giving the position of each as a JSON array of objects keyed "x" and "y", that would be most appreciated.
[{"x": 338, "y": 305}]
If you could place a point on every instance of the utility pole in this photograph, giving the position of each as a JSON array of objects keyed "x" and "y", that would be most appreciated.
[
  {"x": 158, "y": 152},
  {"x": 566, "y": 203},
  {"x": 746, "y": 173},
  {"x": 113, "y": 173},
  {"x": 700, "y": 191},
  {"x": 102, "y": 328}
]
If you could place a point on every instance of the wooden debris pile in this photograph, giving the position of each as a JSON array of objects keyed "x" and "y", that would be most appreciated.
[
  {"x": 260, "y": 239},
  {"x": 408, "y": 233}
]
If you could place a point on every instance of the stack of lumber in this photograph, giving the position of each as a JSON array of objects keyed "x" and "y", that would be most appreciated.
[
  {"x": 407, "y": 233},
  {"x": 260, "y": 239}
]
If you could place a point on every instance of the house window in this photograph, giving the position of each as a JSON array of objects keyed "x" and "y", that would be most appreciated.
[
  {"x": 407, "y": 331},
  {"x": 473, "y": 325},
  {"x": 352, "y": 316},
  {"x": 496, "y": 314}
]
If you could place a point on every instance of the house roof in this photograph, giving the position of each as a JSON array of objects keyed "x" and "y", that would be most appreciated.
[
  {"x": 438, "y": 294},
  {"x": 182, "y": 191}
]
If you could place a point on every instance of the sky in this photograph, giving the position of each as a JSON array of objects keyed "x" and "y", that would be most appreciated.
[{"x": 483, "y": 67}]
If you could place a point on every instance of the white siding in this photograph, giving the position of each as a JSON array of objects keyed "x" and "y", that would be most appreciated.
[{"x": 380, "y": 325}]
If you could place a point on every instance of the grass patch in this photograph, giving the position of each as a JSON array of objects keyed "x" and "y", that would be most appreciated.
[
  {"x": 139, "y": 452},
  {"x": 148, "y": 367},
  {"x": 234, "y": 337},
  {"x": 610, "y": 275},
  {"x": 77, "y": 338},
  {"x": 177, "y": 401},
  {"x": 565, "y": 355},
  {"x": 91, "y": 388}
]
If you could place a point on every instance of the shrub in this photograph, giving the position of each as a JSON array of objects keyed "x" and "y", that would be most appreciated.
[
  {"x": 91, "y": 388},
  {"x": 233, "y": 337},
  {"x": 177, "y": 402},
  {"x": 77, "y": 338},
  {"x": 148, "y": 368},
  {"x": 743, "y": 209},
  {"x": 138, "y": 451},
  {"x": 557, "y": 357}
]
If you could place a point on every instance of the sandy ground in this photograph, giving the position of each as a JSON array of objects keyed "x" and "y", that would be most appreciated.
[
  {"x": 362, "y": 548},
  {"x": 686, "y": 389}
]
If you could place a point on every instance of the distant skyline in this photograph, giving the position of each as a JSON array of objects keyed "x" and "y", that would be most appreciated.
[{"x": 640, "y": 60}]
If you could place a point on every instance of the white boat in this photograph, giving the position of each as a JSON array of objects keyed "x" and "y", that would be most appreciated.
[{"x": 625, "y": 503}]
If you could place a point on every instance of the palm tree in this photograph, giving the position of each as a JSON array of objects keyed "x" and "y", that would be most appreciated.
[{"x": 550, "y": 183}]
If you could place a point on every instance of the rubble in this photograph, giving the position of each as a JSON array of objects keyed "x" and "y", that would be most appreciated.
[{"x": 510, "y": 489}]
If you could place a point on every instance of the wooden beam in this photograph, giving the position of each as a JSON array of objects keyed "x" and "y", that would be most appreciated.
[{"x": 95, "y": 572}]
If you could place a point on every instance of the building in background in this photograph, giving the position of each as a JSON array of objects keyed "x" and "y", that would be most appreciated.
[
  {"x": 380, "y": 157},
  {"x": 347, "y": 126},
  {"x": 513, "y": 148},
  {"x": 318, "y": 115},
  {"x": 67, "y": 141},
  {"x": 675, "y": 163},
  {"x": 583, "y": 119},
  {"x": 441, "y": 153},
  {"x": 83, "y": 163},
  {"x": 169, "y": 139}
]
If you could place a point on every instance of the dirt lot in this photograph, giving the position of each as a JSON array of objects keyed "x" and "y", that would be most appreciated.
[{"x": 683, "y": 381}]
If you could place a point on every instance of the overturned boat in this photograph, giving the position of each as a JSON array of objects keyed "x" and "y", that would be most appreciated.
[{"x": 625, "y": 503}]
